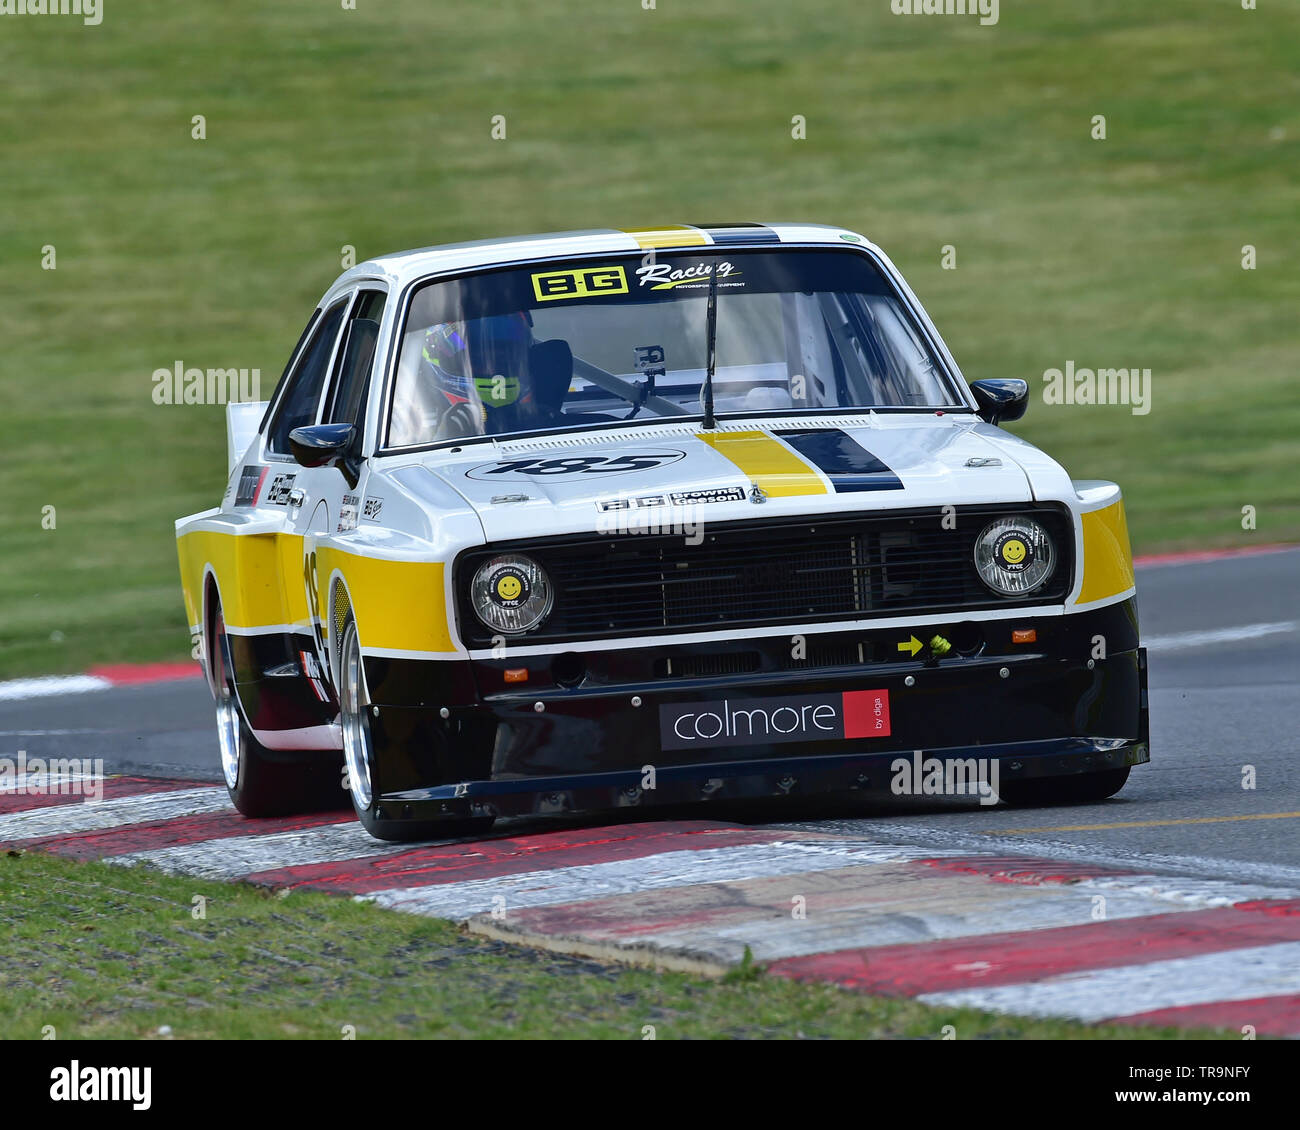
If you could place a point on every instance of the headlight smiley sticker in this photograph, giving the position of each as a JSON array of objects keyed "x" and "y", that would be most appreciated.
[
  {"x": 1014, "y": 556},
  {"x": 508, "y": 587},
  {"x": 511, "y": 593},
  {"x": 1014, "y": 551}
]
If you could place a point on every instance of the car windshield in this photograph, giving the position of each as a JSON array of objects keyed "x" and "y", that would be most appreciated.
[{"x": 624, "y": 338}]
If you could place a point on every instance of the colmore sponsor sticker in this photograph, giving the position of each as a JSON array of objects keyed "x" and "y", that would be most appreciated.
[{"x": 765, "y": 721}]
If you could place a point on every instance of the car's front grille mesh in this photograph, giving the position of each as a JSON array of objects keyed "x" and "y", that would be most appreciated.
[{"x": 750, "y": 574}]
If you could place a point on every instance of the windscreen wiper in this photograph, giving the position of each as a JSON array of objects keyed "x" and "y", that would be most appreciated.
[{"x": 711, "y": 338}]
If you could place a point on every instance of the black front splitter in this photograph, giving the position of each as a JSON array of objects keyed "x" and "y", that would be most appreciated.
[{"x": 766, "y": 778}]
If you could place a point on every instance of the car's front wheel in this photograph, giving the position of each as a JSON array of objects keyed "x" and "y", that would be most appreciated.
[
  {"x": 261, "y": 781},
  {"x": 1081, "y": 788},
  {"x": 361, "y": 763}
]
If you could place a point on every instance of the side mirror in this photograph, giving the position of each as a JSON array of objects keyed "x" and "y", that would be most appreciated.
[
  {"x": 321, "y": 445},
  {"x": 1001, "y": 401}
]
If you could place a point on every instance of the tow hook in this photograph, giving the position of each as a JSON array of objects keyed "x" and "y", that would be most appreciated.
[{"x": 939, "y": 647}]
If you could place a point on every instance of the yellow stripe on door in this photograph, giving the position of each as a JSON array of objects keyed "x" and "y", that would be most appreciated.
[
  {"x": 259, "y": 576},
  {"x": 398, "y": 605},
  {"x": 767, "y": 462},
  {"x": 672, "y": 235}
]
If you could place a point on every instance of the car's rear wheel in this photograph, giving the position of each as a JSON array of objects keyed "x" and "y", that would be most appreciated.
[
  {"x": 361, "y": 763},
  {"x": 261, "y": 781},
  {"x": 1081, "y": 788}
]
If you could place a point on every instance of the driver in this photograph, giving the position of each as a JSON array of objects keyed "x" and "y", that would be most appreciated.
[{"x": 479, "y": 366}]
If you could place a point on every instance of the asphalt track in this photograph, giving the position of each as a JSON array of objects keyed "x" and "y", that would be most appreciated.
[{"x": 1177, "y": 902}]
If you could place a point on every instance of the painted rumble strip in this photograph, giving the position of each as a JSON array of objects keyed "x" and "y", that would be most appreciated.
[
  {"x": 1269, "y": 1016},
  {"x": 1239, "y": 974},
  {"x": 68, "y": 819},
  {"x": 429, "y": 865},
  {"x": 669, "y": 869},
  {"x": 14, "y": 801},
  {"x": 240, "y": 856},
  {"x": 1001, "y": 959},
  {"x": 888, "y": 905},
  {"x": 47, "y": 685},
  {"x": 210, "y": 828},
  {"x": 97, "y": 679},
  {"x": 1017, "y": 934}
]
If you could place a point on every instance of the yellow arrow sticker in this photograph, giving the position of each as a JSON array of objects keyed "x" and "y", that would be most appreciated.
[{"x": 912, "y": 646}]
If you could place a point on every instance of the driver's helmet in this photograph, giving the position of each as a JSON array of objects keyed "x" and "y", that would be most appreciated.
[{"x": 480, "y": 360}]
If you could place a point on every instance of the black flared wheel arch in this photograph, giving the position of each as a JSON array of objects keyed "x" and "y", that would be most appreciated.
[
  {"x": 364, "y": 760},
  {"x": 262, "y": 781}
]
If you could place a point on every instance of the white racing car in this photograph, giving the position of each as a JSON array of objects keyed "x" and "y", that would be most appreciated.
[{"x": 605, "y": 519}]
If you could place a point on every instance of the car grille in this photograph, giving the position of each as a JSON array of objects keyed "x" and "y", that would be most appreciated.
[{"x": 756, "y": 573}]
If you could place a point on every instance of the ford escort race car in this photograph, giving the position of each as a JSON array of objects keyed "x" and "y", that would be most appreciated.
[{"x": 606, "y": 519}]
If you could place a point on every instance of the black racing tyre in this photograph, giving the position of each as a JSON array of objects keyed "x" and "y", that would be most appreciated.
[
  {"x": 1079, "y": 788},
  {"x": 361, "y": 763},
  {"x": 261, "y": 781}
]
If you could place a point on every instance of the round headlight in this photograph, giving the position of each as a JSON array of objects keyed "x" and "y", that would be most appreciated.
[
  {"x": 511, "y": 594},
  {"x": 1014, "y": 556}
]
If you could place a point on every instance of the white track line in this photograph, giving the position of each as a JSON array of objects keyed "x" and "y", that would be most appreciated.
[
  {"x": 52, "y": 685},
  {"x": 237, "y": 856},
  {"x": 1236, "y": 975},
  {"x": 1218, "y": 635},
  {"x": 70, "y": 819}
]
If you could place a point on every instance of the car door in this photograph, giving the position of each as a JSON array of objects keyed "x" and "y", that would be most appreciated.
[{"x": 326, "y": 501}]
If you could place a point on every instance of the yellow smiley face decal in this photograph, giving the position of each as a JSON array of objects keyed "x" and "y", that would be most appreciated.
[
  {"x": 1013, "y": 551},
  {"x": 509, "y": 587}
]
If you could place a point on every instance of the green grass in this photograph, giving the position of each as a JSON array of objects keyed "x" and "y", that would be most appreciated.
[
  {"x": 371, "y": 128},
  {"x": 105, "y": 952}
]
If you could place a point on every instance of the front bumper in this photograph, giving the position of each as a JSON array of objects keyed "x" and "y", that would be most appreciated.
[{"x": 1074, "y": 701}]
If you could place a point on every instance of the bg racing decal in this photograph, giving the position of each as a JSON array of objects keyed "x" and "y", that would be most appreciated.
[
  {"x": 372, "y": 509},
  {"x": 675, "y": 498},
  {"x": 583, "y": 282},
  {"x": 768, "y": 721},
  {"x": 572, "y": 468},
  {"x": 250, "y": 483},
  {"x": 667, "y": 276}
]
